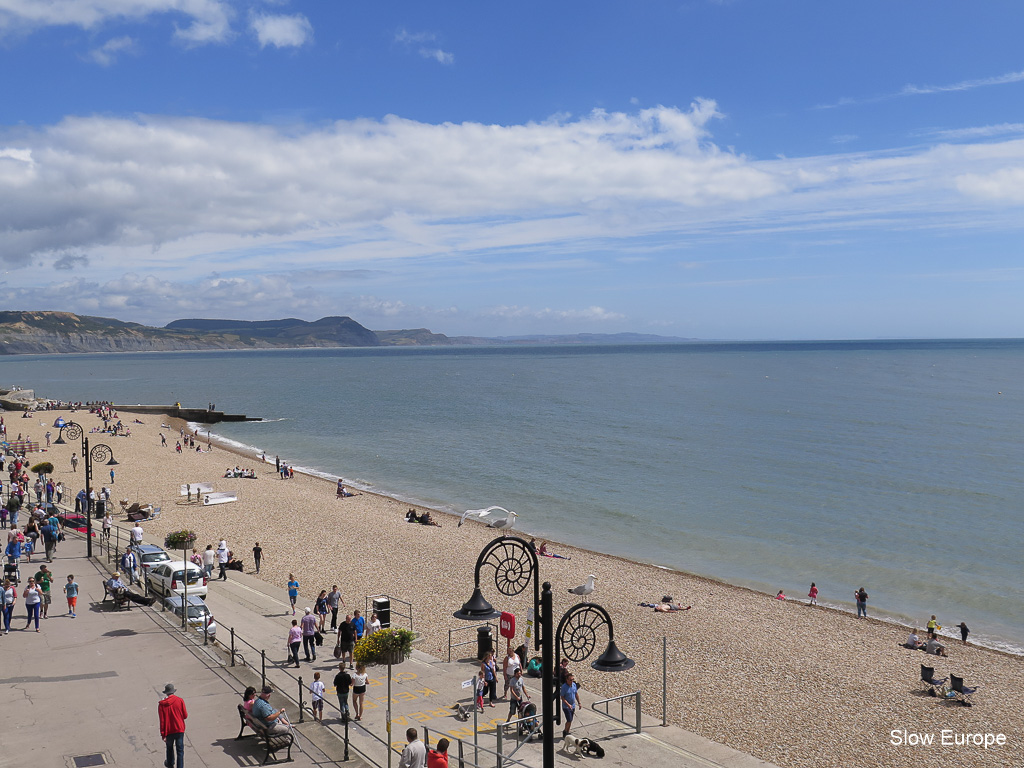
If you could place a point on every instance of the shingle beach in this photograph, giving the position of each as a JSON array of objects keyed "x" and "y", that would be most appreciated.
[{"x": 789, "y": 683}]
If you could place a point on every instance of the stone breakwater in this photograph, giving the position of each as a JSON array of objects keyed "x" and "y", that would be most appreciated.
[{"x": 795, "y": 685}]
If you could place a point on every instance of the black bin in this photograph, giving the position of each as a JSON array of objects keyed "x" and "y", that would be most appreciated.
[
  {"x": 382, "y": 607},
  {"x": 484, "y": 641}
]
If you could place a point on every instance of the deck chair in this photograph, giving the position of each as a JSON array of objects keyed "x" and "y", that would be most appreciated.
[
  {"x": 930, "y": 682},
  {"x": 962, "y": 692}
]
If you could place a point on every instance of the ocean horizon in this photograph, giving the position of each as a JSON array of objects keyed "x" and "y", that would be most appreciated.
[{"x": 893, "y": 465}]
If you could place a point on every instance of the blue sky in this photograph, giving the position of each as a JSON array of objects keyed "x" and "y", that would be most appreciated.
[{"x": 731, "y": 169}]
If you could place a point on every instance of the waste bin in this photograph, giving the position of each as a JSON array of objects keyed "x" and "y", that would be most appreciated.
[
  {"x": 484, "y": 641},
  {"x": 382, "y": 607}
]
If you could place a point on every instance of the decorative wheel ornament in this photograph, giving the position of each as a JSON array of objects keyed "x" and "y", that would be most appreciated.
[
  {"x": 72, "y": 430},
  {"x": 101, "y": 453},
  {"x": 513, "y": 566},
  {"x": 578, "y": 633}
]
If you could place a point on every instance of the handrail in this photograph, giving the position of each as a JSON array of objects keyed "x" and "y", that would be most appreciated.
[
  {"x": 622, "y": 713},
  {"x": 491, "y": 624},
  {"x": 369, "y": 598}
]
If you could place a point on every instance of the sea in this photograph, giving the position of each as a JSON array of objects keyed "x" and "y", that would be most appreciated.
[{"x": 895, "y": 466}]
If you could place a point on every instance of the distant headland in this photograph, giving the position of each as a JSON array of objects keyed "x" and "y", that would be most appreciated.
[{"x": 40, "y": 333}]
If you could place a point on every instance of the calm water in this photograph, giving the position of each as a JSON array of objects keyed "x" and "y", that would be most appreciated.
[{"x": 892, "y": 465}]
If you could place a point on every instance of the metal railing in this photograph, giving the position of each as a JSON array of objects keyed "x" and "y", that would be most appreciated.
[
  {"x": 408, "y": 607},
  {"x": 491, "y": 624},
  {"x": 622, "y": 709}
]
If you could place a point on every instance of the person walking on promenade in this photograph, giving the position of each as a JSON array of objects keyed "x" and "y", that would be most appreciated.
[
  {"x": 71, "y": 593},
  {"x": 209, "y": 558},
  {"x": 222, "y": 559},
  {"x": 862, "y": 602},
  {"x": 294, "y": 641},
  {"x": 518, "y": 691},
  {"x": 334, "y": 599},
  {"x": 316, "y": 692},
  {"x": 570, "y": 695},
  {"x": 415, "y": 753},
  {"x": 293, "y": 591},
  {"x": 33, "y": 598},
  {"x": 320, "y": 610},
  {"x": 359, "y": 690},
  {"x": 342, "y": 683},
  {"x": 308, "y": 623},
  {"x": 358, "y": 624},
  {"x": 346, "y": 640},
  {"x": 44, "y": 578},
  {"x": 257, "y": 556},
  {"x": 10, "y": 598},
  {"x": 172, "y": 726},
  {"x": 490, "y": 670}
]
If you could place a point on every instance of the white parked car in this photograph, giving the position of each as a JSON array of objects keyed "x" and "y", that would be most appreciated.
[{"x": 169, "y": 578}]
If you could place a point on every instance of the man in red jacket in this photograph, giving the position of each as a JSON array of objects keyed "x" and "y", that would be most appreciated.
[{"x": 172, "y": 726}]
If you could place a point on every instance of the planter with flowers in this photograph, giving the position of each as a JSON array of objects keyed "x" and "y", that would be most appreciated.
[
  {"x": 180, "y": 539},
  {"x": 385, "y": 646}
]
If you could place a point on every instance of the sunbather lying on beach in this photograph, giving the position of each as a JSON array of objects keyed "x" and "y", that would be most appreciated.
[
  {"x": 423, "y": 519},
  {"x": 665, "y": 607},
  {"x": 543, "y": 550}
]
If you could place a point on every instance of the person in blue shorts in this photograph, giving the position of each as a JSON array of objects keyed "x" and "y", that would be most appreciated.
[{"x": 570, "y": 701}]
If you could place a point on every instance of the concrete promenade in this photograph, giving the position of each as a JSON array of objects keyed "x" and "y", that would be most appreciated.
[{"x": 90, "y": 685}]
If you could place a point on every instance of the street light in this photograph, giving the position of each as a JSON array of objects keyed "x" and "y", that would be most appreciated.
[
  {"x": 515, "y": 565},
  {"x": 99, "y": 452}
]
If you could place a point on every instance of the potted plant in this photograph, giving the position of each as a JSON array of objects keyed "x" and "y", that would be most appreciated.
[
  {"x": 180, "y": 539},
  {"x": 386, "y": 646},
  {"x": 43, "y": 468}
]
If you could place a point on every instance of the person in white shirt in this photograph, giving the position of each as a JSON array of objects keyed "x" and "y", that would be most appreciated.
[
  {"x": 374, "y": 624},
  {"x": 209, "y": 558},
  {"x": 222, "y": 559},
  {"x": 415, "y": 753},
  {"x": 316, "y": 690},
  {"x": 137, "y": 534}
]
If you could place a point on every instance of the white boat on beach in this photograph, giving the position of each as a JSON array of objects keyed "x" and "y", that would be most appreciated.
[{"x": 209, "y": 499}]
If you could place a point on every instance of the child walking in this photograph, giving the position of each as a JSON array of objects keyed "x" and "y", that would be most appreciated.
[
  {"x": 481, "y": 688},
  {"x": 71, "y": 592},
  {"x": 316, "y": 689},
  {"x": 813, "y": 594}
]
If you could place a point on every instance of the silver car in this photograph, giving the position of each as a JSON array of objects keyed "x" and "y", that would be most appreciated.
[{"x": 199, "y": 615}]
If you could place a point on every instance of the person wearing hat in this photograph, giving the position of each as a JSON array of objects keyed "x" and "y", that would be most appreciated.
[
  {"x": 273, "y": 720},
  {"x": 172, "y": 726}
]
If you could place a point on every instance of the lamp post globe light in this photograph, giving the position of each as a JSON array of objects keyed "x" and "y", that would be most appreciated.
[
  {"x": 99, "y": 452},
  {"x": 515, "y": 565}
]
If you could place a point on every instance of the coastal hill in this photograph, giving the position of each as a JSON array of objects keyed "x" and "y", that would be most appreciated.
[{"x": 37, "y": 333}]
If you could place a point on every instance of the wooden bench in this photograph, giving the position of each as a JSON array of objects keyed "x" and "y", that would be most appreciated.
[
  {"x": 272, "y": 741},
  {"x": 120, "y": 601}
]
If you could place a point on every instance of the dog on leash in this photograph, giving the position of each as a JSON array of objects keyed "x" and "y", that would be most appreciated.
[
  {"x": 573, "y": 746},
  {"x": 461, "y": 712}
]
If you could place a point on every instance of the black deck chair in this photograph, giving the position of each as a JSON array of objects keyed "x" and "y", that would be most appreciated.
[
  {"x": 963, "y": 693},
  {"x": 930, "y": 682}
]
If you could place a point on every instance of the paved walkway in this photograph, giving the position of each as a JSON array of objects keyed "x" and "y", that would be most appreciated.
[{"x": 91, "y": 685}]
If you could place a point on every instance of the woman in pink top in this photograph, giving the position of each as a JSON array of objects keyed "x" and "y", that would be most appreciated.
[
  {"x": 813, "y": 594},
  {"x": 294, "y": 641}
]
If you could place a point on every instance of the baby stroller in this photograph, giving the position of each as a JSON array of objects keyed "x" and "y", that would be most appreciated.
[
  {"x": 12, "y": 572},
  {"x": 530, "y": 727}
]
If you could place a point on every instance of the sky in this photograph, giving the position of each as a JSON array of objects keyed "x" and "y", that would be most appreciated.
[{"x": 716, "y": 169}]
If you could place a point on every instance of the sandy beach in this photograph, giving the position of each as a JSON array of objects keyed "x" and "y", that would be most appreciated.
[{"x": 792, "y": 684}]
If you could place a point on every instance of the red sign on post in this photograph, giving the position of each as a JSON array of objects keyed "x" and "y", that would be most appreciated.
[{"x": 507, "y": 625}]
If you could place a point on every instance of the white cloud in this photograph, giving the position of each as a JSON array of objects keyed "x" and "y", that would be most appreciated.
[
  {"x": 919, "y": 90},
  {"x": 208, "y": 19},
  {"x": 1004, "y": 185},
  {"x": 282, "y": 31},
  {"x": 587, "y": 314},
  {"x": 410, "y": 39},
  {"x": 441, "y": 57},
  {"x": 108, "y": 52},
  {"x": 975, "y": 132}
]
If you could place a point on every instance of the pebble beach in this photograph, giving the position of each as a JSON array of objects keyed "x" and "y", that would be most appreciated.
[{"x": 792, "y": 684}]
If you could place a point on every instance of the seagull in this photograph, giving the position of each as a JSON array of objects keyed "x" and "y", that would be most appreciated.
[
  {"x": 498, "y": 520},
  {"x": 584, "y": 589}
]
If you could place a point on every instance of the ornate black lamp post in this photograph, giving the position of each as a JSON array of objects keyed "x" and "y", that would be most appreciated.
[
  {"x": 99, "y": 452},
  {"x": 515, "y": 564}
]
